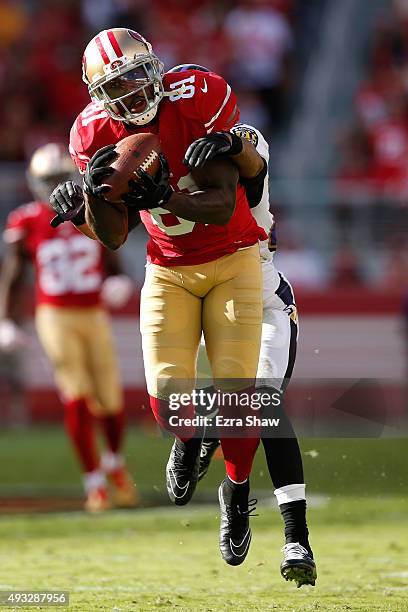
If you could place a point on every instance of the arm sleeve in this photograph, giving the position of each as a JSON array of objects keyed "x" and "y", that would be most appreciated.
[
  {"x": 16, "y": 228},
  {"x": 216, "y": 103},
  {"x": 87, "y": 134},
  {"x": 254, "y": 186},
  {"x": 76, "y": 149}
]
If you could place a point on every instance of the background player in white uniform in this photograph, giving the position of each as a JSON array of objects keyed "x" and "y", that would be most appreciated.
[{"x": 276, "y": 361}]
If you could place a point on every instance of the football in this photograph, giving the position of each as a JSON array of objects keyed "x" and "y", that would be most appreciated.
[{"x": 134, "y": 152}]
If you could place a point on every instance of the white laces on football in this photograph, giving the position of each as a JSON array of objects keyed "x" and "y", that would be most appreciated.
[{"x": 295, "y": 550}]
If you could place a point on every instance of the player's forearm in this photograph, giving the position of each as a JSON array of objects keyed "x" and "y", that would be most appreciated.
[
  {"x": 215, "y": 197},
  {"x": 107, "y": 222},
  {"x": 214, "y": 206},
  {"x": 85, "y": 230},
  {"x": 10, "y": 281},
  {"x": 248, "y": 161},
  {"x": 7, "y": 290},
  {"x": 79, "y": 222}
]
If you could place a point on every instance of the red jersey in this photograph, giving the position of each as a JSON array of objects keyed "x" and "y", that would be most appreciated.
[
  {"x": 68, "y": 265},
  {"x": 207, "y": 104}
]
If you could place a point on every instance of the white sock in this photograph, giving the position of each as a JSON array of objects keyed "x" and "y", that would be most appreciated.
[
  {"x": 111, "y": 461},
  {"x": 235, "y": 482},
  {"x": 94, "y": 480}
]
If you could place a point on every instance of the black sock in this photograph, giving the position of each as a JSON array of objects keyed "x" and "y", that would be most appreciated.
[
  {"x": 285, "y": 467},
  {"x": 294, "y": 516},
  {"x": 192, "y": 445},
  {"x": 237, "y": 491}
]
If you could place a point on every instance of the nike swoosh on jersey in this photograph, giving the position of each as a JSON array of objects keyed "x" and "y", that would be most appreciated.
[{"x": 205, "y": 88}]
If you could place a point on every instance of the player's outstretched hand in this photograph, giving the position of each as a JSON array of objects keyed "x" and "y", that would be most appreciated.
[
  {"x": 12, "y": 338},
  {"x": 117, "y": 290},
  {"x": 150, "y": 192},
  {"x": 204, "y": 149},
  {"x": 67, "y": 200},
  {"x": 98, "y": 168}
]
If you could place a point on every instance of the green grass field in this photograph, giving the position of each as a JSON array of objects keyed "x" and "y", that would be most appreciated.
[
  {"x": 40, "y": 458},
  {"x": 166, "y": 558}
]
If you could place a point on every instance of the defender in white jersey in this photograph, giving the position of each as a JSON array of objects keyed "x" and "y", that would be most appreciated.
[
  {"x": 280, "y": 321},
  {"x": 277, "y": 356}
]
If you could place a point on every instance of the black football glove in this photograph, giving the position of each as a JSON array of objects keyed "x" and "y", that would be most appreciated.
[
  {"x": 67, "y": 200},
  {"x": 152, "y": 192},
  {"x": 98, "y": 168},
  {"x": 204, "y": 149}
]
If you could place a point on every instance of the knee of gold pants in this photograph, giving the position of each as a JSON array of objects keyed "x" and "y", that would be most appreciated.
[{"x": 79, "y": 345}]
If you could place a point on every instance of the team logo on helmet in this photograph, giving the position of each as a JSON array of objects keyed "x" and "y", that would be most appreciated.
[{"x": 116, "y": 64}]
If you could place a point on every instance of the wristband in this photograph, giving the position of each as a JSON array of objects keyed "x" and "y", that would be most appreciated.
[{"x": 79, "y": 218}]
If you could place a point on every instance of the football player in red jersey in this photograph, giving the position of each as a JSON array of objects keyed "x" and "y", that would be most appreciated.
[
  {"x": 203, "y": 271},
  {"x": 72, "y": 324}
]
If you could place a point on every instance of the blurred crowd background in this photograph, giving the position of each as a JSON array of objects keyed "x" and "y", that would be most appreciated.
[
  {"x": 250, "y": 43},
  {"x": 339, "y": 174}
]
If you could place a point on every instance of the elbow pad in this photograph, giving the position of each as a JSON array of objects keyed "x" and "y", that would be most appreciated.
[{"x": 254, "y": 186}]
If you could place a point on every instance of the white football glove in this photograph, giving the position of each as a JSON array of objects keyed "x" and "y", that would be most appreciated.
[
  {"x": 117, "y": 290},
  {"x": 12, "y": 337}
]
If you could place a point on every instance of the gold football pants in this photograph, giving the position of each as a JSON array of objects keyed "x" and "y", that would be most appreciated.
[
  {"x": 222, "y": 299},
  {"x": 79, "y": 344}
]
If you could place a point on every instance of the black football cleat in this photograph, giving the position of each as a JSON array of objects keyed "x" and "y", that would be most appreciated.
[
  {"x": 182, "y": 470},
  {"x": 298, "y": 564},
  {"x": 235, "y": 510},
  {"x": 208, "y": 448}
]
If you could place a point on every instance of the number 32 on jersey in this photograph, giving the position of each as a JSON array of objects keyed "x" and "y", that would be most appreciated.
[{"x": 69, "y": 266}]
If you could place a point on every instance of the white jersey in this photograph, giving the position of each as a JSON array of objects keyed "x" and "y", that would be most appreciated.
[
  {"x": 261, "y": 212},
  {"x": 280, "y": 325}
]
